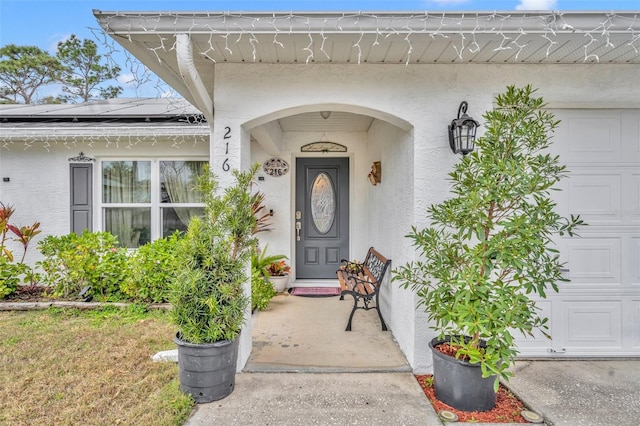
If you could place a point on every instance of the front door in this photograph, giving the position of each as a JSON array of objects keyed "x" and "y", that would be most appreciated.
[{"x": 322, "y": 216}]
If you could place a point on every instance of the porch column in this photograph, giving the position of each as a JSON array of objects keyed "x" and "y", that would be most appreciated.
[{"x": 230, "y": 150}]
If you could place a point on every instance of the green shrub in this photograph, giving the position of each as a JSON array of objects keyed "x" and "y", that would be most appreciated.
[
  {"x": 10, "y": 276},
  {"x": 151, "y": 269},
  {"x": 261, "y": 288},
  {"x": 92, "y": 259},
  {"x": 261, "y": 291}
]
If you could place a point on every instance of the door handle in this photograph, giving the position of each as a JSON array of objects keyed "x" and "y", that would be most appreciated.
[{"x": 298, "y": 228}]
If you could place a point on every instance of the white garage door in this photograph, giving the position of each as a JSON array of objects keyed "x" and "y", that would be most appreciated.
[{"x": 598, "y": 312}]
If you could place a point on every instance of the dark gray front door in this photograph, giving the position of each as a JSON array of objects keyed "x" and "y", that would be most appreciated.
[{"x": 322, "y": 216}]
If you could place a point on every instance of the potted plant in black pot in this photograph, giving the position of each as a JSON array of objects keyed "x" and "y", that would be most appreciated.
[
  {"x": 207, "y": 295},
  {"x": 488, "y": 249}
]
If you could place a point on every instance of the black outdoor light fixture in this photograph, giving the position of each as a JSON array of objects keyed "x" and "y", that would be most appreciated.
[{"x": 462, "y": 131}]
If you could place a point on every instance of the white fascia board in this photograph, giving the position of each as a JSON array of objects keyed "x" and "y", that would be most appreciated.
[{"x": 364, "y": 22}]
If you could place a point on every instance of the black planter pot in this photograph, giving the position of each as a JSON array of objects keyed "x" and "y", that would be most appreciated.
[
  {"x": 207, "y": 371},
  {"x": 460, "y": 384}
]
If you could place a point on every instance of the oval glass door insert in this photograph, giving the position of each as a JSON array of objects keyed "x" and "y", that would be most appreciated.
[{"x": 323, "y": 203}]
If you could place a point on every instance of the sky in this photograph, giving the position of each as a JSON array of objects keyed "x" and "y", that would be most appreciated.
[{"x": 44, "y": 23}]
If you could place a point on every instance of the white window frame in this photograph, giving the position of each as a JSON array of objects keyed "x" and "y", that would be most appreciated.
[{"x": 155, "y": 204}]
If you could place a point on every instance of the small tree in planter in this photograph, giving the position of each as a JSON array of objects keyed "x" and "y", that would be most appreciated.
[
  {"x": 207, "y": 294},
  {"x": 490, "y": 247}
]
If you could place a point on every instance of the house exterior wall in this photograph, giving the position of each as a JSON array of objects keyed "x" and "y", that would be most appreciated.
[
  {"x": 415, "y": 161},
  {"x": 39, "y": 186},
  {"x": 38, "y": 189}
]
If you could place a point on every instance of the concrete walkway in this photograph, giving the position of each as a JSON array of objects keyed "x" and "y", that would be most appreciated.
[
  {"x": 306, "y": 334},
  {"x": 320, "y": 399},
  {"x": 306, "y": 370},
  {"x": 581, "y": 393}
]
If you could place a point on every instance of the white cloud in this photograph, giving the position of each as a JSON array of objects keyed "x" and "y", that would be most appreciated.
[
  {"x": 128, "y": 79},
  {"x": 537, "y": 5},
  {"x": 54, "y": 40}
]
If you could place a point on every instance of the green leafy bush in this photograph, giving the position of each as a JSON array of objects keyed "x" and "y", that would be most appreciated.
[
  {"x": 10, "y": 276},
  {"x": 151, "y": 269},
  {"x": 92, "y": 259},
  {"x": 261, "y": 290}
]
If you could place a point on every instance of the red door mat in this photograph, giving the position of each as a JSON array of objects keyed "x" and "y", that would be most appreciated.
[{"x": 316, "y": 291}]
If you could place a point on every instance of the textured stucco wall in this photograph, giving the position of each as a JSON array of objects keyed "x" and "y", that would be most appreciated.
[
  {"x": 416, "y": 162},
  {"x": 39, "y": 186}
]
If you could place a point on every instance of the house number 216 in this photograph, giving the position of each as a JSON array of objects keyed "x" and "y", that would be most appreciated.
[{"x": 227, "y": 135}]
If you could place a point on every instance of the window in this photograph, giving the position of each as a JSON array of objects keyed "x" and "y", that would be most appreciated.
[{"x": 143, "y": 200}]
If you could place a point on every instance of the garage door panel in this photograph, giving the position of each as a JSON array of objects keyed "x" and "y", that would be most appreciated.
[
  {"x": 588, "y": 136},
  {"x": 601, "y": 196},
  {"x": 594, "y": 134},
  {"x": 596, "y": 198},
  {"x": 539, "y": 344},
  {"x": 592, "y": 260},
  {"x": 635, "y": 318},
  {"x": 632, "y": 212},
  {"x": 631, "y": 147},
  {"x": 634, "y": 263},
  {"x": 592, "y": 324}
]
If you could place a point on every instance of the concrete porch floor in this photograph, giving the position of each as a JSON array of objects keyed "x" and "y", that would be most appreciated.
[{"x": 306, "y": 334}]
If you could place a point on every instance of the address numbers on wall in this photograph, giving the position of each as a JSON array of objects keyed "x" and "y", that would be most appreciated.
[{"x": 275, "y": 167}]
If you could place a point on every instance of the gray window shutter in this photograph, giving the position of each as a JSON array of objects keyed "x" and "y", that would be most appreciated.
[{"x": 81, "y": 197}]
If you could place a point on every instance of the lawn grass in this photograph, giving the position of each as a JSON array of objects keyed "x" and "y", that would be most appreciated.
[{"x": 68, "y": 367}]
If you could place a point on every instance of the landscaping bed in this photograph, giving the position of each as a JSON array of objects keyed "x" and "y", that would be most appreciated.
[{"x": 508, "y": 407}]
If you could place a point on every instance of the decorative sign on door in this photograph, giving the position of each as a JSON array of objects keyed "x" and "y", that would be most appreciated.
[{"x": 276, "y": 167}]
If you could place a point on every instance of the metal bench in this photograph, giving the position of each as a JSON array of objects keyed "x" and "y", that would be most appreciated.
[{"x": 363, "y": 282}]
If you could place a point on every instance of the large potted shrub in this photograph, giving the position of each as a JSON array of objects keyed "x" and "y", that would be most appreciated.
[
  {"x": 207, "y": 295},
  {"x": 488, "y": 249}
]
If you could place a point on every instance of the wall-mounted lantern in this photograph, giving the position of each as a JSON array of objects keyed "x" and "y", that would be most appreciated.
[{"x": 462, "y": 132}]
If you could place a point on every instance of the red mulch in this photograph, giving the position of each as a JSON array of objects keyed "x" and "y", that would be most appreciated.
[
  {"x": 507, "y": 409},
  {"x": 450, "y": 350}
]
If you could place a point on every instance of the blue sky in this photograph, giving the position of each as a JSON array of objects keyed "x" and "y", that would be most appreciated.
[{"x": 44, "y": 23}]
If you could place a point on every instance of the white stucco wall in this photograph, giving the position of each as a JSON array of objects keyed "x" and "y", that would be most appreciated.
[
  {"x": 39, "y": 186},
  {"x": 416, "y": 163}
]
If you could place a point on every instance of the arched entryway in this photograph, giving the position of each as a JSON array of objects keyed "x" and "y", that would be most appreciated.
[{"x": 331, "y": 147}]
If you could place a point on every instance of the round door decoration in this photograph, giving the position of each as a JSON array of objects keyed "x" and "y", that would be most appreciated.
[
  {"x": 323, "y": 203},
  {"x": 275, "y": 167}
]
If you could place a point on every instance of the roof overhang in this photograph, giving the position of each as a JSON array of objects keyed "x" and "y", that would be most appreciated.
[
  {"x": 384, "y": 37},
  {"x": 369, "y": 37}
]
